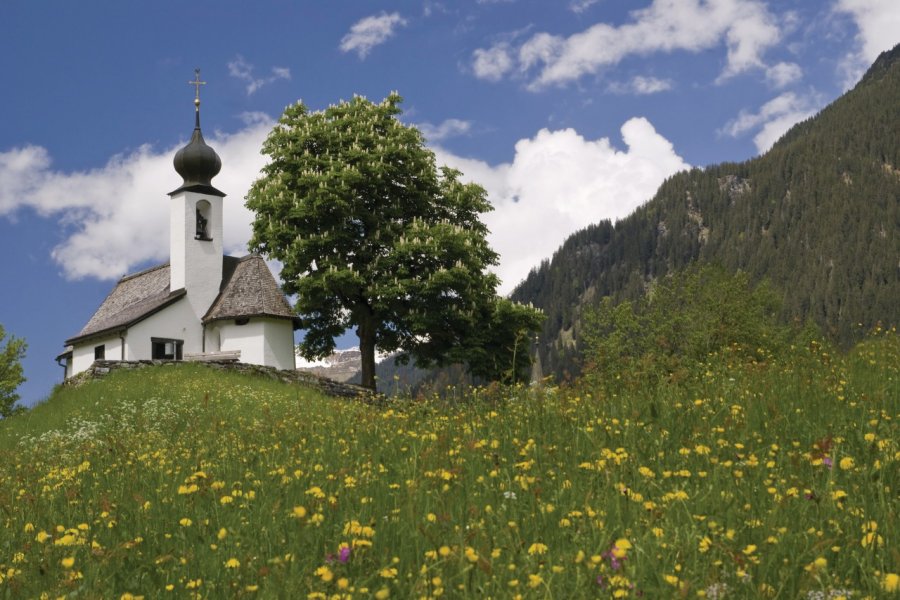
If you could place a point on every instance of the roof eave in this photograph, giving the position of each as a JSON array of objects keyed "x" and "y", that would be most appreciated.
[
  {"x": 200, "y": 188},
  {"x": 173, "y": 297},
  {"x": 296, "y": 321}
]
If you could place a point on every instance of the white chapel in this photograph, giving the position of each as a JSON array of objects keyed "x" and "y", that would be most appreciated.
[{"x": 200, "y": 304}]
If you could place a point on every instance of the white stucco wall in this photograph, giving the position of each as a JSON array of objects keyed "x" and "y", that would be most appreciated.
[
  {"x": 176, "y": 321},
  {"x": 280, "y": 343},
  {"x": 262, "y": 341},
  {"x": 246, "y": 338},
  {"x": 195, "y": 265},
  {"x": 83, "y": 354}
]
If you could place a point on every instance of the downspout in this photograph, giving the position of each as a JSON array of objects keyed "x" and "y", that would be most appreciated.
[
  {"x": 203, "y": 340},
  {"x": 122, "y": 343},
  {"x": 64, "y": 368}
]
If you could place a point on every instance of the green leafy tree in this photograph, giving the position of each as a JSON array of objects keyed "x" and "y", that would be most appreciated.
[
  {"x": 11, "y": 374},
  {"x": 372, "y": 235},
  {"x": 684, "y": 320}
]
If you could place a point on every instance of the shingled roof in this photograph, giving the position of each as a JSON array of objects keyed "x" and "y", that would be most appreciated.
[
  {"x": 249, "y": 290},
  {"x": 134, "y": 298}
]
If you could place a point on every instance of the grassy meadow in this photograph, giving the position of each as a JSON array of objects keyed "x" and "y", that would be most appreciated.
[{"x": 775, "y": 480}]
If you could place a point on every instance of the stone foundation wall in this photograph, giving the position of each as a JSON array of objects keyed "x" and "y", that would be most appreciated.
[{"x": 101, "y": 368}]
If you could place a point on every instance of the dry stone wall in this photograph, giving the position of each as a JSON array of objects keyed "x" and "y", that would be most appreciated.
[{"x": 102, "y": 368}]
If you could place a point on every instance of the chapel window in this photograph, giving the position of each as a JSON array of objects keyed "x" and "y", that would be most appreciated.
[
  {"x": 166, "y": 349},
  {"x": 100, "y": 352}
]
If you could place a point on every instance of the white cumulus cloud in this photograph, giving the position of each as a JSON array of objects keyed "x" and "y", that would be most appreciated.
[
  {"x": 371, "y": 31},
  {"x": 878, "y": 23},
  {"x": 745, "y": 27},
  {"x": 783, "y": 74},
  {"x": 492, "y": 63},
  {"x": 773, "y": 119},
  {"x": 559, "y": 182},
  {"x": 114, "y": 218},
  {"x": 240, "y": 69},
  {"x": 446, "y": 129}
]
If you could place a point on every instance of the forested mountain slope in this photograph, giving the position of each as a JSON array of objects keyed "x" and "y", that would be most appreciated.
[{"x": 818, "y": 215}]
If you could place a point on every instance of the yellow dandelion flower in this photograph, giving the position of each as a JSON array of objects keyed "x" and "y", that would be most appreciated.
[
  {"x": 891, "y": 582},
  {"x": 185, "y": 522},
  {"x": 383, "y": 594},
  {"x": 223, "y": 533},
  {"x": 68, "y": 562},
  {"x": 846, "y": 463},
  {"x": 471, "y": 554},
  {"x": 537, "y": 548},
  {"x": 299, "y": 512},
  {"x": 343, "y": 583},
  {"x": 324, "y": 573},
  {"x": 232, "y": 563},
  {"x": 534, "y": 580},
  {"x": 316, "y": 492},
  {"x": 388, "y": 572},
  {"x": 445, "y": 551},
  {"x": 871, "y": 539}
]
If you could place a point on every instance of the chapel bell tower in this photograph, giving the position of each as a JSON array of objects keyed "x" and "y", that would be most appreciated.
[{"x": 195, "y": 222}]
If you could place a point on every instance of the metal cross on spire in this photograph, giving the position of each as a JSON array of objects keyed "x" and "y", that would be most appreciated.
[{"x": 197, "y": 83}]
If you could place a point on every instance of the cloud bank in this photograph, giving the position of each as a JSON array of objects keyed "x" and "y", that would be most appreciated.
[
  {"x": 560, "y": 182},
  {"x": 746, "y": 27},
  {"x": 115, "y": 218}
]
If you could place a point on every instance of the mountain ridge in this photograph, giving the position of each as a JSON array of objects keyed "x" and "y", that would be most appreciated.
[{"x": 817, "y": 216}]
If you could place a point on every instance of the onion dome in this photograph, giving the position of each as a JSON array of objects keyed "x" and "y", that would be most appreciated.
[{"x": 197, "y": 163}]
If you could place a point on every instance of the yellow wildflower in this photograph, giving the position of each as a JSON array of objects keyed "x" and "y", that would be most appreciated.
[
  {"x": 324, "y": 573},
  {"x": 537, "y": 548}
]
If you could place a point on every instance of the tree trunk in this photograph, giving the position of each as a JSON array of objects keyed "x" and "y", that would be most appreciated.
[{"x": 366, "y": 333}]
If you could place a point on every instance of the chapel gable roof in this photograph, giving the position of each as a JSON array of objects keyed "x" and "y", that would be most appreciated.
[
  {"x": 248, "y": 290},
  {"x": 134, "y": 298}
]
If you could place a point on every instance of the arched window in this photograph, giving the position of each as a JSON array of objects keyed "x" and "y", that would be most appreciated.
[{"x": 203, "y": 215}]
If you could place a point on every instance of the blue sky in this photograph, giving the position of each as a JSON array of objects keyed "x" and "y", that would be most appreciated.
[{"x": 567, "y": 111}]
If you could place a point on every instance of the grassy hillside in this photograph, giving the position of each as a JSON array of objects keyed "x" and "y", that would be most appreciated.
[{"x": 776, "y": 480}]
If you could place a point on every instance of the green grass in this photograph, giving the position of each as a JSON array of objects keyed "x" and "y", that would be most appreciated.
[{"x": 774, "y": 480}]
